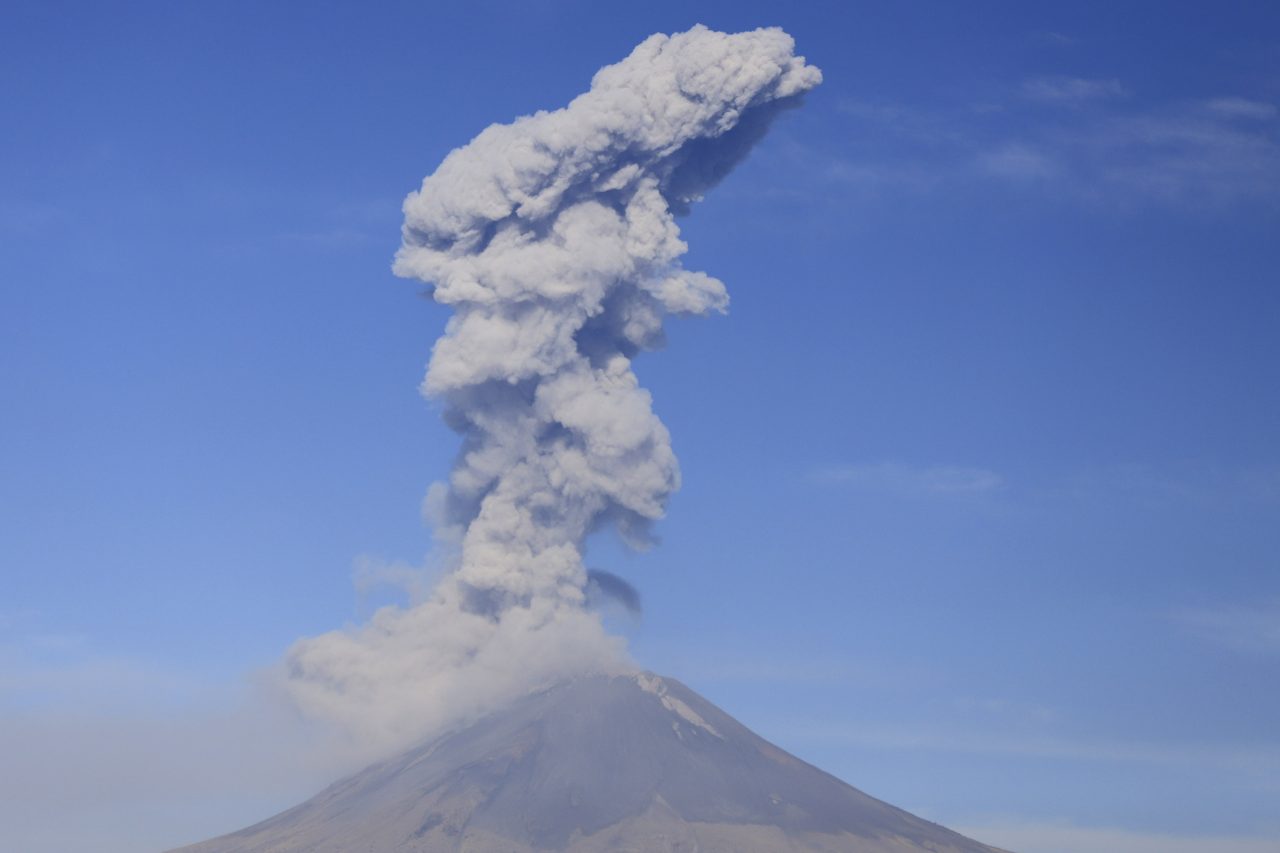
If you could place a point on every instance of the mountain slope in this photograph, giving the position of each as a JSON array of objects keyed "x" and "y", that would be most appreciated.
[{"x": 625, "y": 763}]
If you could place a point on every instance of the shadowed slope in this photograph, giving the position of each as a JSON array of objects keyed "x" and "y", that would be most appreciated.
[{"x": 626, "y": 763}]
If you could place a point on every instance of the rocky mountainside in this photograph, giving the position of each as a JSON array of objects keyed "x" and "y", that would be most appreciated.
[{"x": 624, "y": 763}]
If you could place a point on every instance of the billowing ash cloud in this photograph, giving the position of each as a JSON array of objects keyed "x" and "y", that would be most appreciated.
[{"x": 554, "y": 240}]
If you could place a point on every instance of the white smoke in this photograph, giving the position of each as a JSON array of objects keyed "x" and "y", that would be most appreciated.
[{"x": 554, "y": 240}]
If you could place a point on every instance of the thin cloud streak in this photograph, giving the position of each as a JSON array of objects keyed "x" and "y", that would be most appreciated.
[
  {"x": 1087, "y": 140},
  {"x": 1151, "y": 487},
  {"x": 1250, "y": 628},
  {"x": 1236, "y": 757},
  {"x": 941, "y": 480},
  {"x": 1060, "y": 89},
  {"x": 1243, "y": 108}
]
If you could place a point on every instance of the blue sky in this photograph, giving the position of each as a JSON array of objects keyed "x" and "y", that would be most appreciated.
[{"x": 981, "y": 472}]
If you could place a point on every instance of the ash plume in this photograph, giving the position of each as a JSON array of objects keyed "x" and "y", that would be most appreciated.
[
  {"x": 606, "y": 586},
  {"x": 554, "y": 240}
]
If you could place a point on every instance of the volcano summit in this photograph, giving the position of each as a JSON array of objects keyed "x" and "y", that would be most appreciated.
[{"x": 627, "y": 763}]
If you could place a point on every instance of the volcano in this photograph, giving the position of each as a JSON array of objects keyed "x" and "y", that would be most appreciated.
[{"x": 632, "y": 763}]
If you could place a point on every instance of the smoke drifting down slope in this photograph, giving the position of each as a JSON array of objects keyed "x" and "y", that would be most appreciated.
[
  {"x": 554, "y": 241},
  {"x": 629, "y": 763}
]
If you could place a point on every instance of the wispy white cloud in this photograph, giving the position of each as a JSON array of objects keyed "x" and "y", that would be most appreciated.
[
  {"x": 1253, "y": 628},
  {"x": 1243, "y": 108},
  {"x": 1068, "y": 838},
  {"x": 876, "y": 176},
  {"x": 1062, "y": 89},
  {"x": 1054, "y": 38},
  {"x": 1018, "y": 161},
  {"x": 1008, "y": 742},
  {"x": 941, "y": 480},
  {"x": 1192, "y": 153},
  {"x": 1109, "y": 148},
  {"x": 1153, "y": 487},
  {"x": 1005, "y": 711},
  {"x": 918, "y": 125}
]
